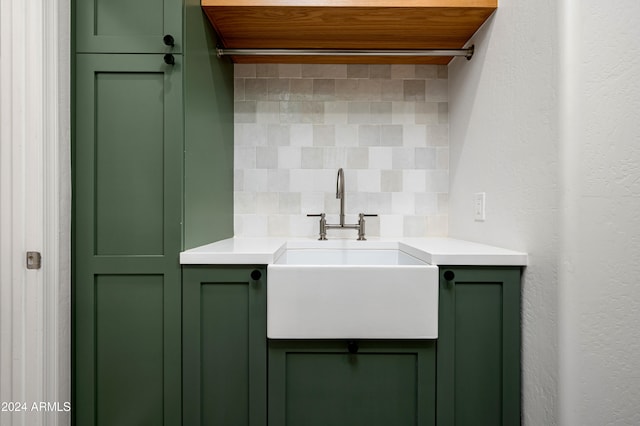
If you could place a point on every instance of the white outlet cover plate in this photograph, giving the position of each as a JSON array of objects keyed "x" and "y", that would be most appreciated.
[{"x": 479, "y": 206}]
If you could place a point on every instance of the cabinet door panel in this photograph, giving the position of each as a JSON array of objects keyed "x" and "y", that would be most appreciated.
[
  {"x": 127, "y": 237},
  {"x": 125, "y": 26},
  {"x": 224, "y": 338},
  {"x": 128, "y": 134},
  {"x": 129, "y": 336},
  {"x": 321, "y": 383},
  {"x": 478, "y": 358},
  {"x": 224, "y": 353}
]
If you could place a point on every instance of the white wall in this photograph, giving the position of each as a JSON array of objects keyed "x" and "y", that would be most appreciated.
[
  {"x": 600, "y": 211},
  {"x": 504, "y": 141},
  {"x": 546, "y": 120}
]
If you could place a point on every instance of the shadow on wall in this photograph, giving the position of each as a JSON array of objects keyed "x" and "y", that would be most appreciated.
[{"x": 469, "y": 74}]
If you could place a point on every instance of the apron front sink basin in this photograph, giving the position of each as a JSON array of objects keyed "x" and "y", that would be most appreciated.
[{"x": 350, "y": 294}]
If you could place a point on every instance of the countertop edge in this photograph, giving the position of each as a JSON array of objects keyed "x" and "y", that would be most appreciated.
[{"x": 436, "y": 251}]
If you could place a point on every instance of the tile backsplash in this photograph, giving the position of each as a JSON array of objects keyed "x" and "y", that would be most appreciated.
[{"x": 385, "y": 125}]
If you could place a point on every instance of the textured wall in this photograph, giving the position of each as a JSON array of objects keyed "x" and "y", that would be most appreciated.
[
  {"x": 600, "y": 158},
  {"x": 504, "y": 141},
  {"x": 387, "y": 126},
  {"x": 545, "y": 120}
]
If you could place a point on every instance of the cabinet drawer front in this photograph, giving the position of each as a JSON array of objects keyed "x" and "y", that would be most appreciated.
[{"x": 322, "y": 383}]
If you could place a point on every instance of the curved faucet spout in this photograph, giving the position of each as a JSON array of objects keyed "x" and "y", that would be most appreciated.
[
  {"x": 340, "y": 193},
  {"x": 340, "y": 184}
]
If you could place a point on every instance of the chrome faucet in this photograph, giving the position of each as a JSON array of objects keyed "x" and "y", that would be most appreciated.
[{"x": 341, "y": 195}]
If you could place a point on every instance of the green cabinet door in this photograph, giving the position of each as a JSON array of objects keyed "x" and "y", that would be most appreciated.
[
  {"x": 127, "y": 150},
  {"x": 479, "y": 346},
  {"x": 321, "y": 383},
  {"x": 126, "y": 26},
  {"x": 224, "y": 344}
]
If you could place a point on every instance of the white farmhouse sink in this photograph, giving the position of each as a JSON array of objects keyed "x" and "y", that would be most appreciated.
[{"x": 351, "y": 293}]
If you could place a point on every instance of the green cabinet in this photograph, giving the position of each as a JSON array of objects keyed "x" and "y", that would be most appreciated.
[
  {"x": 225, "y": 346},
  {"x": 152, "y": 167},
  {"x": 125, "y": 26},
  {"x": 127, "y": 231},
  {"x": 479, "y": 346},
  {"x": 470, "y": 375},
  {"x": 203, "y": 83},
  {"x": 315, "y": 382}
]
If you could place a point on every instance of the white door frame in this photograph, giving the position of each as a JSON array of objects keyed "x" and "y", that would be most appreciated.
[{"x": 35, "y": 210}]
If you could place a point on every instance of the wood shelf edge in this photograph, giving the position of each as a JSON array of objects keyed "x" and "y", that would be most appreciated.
[{"x": 351, "y": 3}]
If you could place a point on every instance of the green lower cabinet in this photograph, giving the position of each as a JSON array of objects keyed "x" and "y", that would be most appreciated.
[
  {"x": 224, "y": 346},
  {"x": 321, "y": 383},
  {"x": 470, "y": 375},
  {"x": 479, "y": 346}
]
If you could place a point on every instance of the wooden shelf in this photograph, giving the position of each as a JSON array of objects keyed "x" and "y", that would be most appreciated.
[{"x": 346, "y": 24}]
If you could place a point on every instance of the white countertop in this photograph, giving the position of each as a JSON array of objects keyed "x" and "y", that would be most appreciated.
[{"x": 436, "y": 251}]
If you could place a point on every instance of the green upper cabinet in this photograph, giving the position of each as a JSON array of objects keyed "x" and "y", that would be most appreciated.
[
  {"x": 138, "y": 28},
  {"x": 125, "y": 26}
]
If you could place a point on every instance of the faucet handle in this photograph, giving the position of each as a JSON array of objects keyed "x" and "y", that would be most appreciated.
[
  {"x": 323, "y": 225},
  {"x": 363, "y": 215},
  {"x": 361, "y": 225}
]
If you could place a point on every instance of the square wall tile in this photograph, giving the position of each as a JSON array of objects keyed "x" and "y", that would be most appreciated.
[
  {"x": 255, "y": 89},
  {"x": 357, "y": 71},
  {"x": 380, "y": 158},
  {"x": 381, "y": 71},
  {"x": 324, "y": 89},
  {"x": 391, "y": 181},
  {"x": 244, "y": 70},
  {"x": 312, "y": 158},
  {"x": 266, "y": 157},
  {"x": 414, "y": 90},
  {"x": 289, "y": 70}
]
